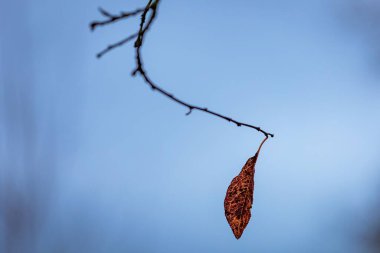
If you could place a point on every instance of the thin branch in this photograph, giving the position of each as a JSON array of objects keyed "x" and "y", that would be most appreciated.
[
  {"x": 142, "y": 30},
  {"x": 117, "y": 44},
  {"x": 145, "y": 24},
  {"x": 191, "y": 107},
  {"x": 113, "y": 18}
]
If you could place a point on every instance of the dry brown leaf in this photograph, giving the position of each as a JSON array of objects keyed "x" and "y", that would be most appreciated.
[{"x": 239, "y": 196}]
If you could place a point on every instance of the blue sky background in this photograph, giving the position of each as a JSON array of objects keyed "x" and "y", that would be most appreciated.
[{"x": 102, "y": 164}]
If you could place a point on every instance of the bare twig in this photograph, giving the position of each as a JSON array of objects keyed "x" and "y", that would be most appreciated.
[
  {"x": 113, "y": 18},
  {"x": 117, "y": 44},
  {"x": 145, "y": 24}
]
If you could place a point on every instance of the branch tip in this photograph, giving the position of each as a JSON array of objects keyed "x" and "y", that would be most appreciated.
[
  {"x": 134, "y": 72},
  {"x": 93, "y": 26},
  {"x": 189, "y": 112},
  {"x": 105, "y": 13}
]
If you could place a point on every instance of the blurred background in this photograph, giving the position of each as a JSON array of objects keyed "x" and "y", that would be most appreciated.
[{"x": 92, "y": 161}]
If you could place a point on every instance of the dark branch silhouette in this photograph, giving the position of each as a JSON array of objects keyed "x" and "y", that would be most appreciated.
[
  {"x": 113, "y": 18},
  {"x": 117, "y": 44},
  {"x": 145, "y": 24}
]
